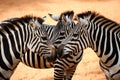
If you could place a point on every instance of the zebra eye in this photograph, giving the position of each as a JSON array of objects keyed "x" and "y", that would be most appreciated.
[
  {"x": 75, "y": 35},
  {"x": 44, "y": 38},
  {"x": 62, "y": 33}
]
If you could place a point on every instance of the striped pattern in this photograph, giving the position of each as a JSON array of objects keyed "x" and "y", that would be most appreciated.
[
  {"x": 103, "y": 36},
  {"x": 57, "y": 34},
  {"x": 66, "y": 64},
  {"x": 64, "y": 68},
  {"x": 18, "y": 35}
]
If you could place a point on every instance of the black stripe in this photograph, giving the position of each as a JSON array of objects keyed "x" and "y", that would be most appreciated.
[
  {"x": 24, "y": 59},
  {"x": 21, "y": 36},
  {"x": 98, "y": 39},
  {"x": 97, "y": 18},
  {"x": 2, "y": 76},
  {"x": 6, "y": 52},
  {"x": 44, "y": 61},
  {"x": 28, "y": 57},
  {"x": 115, "y": 51},
  {"x": 102, "y": 43},
  {"x": 33, "y": 59},
  {"x": 39, "y": 60}
]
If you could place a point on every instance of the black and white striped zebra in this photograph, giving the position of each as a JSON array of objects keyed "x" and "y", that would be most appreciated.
[
  {"x": 103, "y": 36},
  {"x": 61, "y": 69},
  {"x": 17, "y": 36}
]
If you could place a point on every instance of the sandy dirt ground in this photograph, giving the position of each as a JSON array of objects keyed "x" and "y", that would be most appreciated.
[{"x": 88, "y": 68}]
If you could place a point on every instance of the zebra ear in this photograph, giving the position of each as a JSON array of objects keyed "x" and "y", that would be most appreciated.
[
  {"x": 83, "y": 21},
  {"x": 54, "y": 17},
  {"x": 67, "y": 19},
  {"x": 32, "y": 24},
  {"x": 44, "y": 18},
  {"x": 35, "y": 24}
]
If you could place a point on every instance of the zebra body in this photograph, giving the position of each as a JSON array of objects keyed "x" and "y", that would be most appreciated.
[
  {"x": 102, "y": 35},
  {"x": 104, "y": 40},
  {"x": 16, "y": 37},
  {"x": 36, "y": 61}
]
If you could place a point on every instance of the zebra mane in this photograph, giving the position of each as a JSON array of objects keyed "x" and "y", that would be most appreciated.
[
  {"x": 27, "y": 18},
  {"x": 66, "y": 13},
  {"x": 92, "y": 15},
  {"x": 87, "y": 14}
]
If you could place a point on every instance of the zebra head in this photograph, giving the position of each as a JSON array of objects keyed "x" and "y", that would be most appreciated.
[
  {"x": 66, "y": 17},
  {"x": 40, "y": 43},
  {"x": 63, "y": 25},
  {"x": 39, "y": 31}
]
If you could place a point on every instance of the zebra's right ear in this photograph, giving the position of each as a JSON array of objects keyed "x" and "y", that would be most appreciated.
[
  {"x": 54, "y": 17},
  {"x": 83, "y": 21},
  {"x": 44, "y": 18},
  {"x": 33, "y": 24}
]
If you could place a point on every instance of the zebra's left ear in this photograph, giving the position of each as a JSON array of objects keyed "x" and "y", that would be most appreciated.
[
  {"x": 67, "y": 19},
  {"x": 32, "y": 24},
  {"x": 44, "y": 18},
  {"x": 54, "y": 17},
  {"x": 83, "y": 21},
  {"x": 36, "y": 23}
]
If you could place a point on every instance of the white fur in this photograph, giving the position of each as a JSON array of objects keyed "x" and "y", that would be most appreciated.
[
  {"x": 84, "y": 21},
  {"x": 44, "y": 18},
  {"x": 54, "y": 17},
  {"x": 37, "y": 23},
  {"x": 68, "y": 19}
]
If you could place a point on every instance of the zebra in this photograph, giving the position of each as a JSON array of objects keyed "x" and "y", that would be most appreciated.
[
  {"x": 17, "y": 36},
  {"x": 61, "y": 69},
  {"x": 103, "y": 36}
]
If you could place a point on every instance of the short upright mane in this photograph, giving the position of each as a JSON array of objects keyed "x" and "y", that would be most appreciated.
[
  {"x": 87, "y": 13},
  {"x": 66, "y": 13},
  {"x": 27, "y": 18},
  {"x": 93, "y": 14}
]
